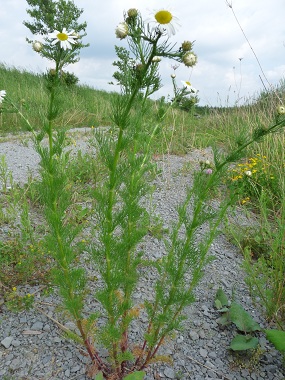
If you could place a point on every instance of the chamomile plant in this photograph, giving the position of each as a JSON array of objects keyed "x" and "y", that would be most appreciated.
[{"x": 121, "y": 221}]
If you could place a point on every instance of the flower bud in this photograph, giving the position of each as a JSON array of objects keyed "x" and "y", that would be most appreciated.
[
  {"x": 189, "y": 59},
  {"x": 132, "y": 13},
  {"x": 173, "y": 76},
  {"x": 281, "y": 110},
  {"x": 52, "y": 72},
  {"x": 156, "y": 59},
  {"x": 186, "y": 46},
  {"x": 122, "y": 30},
  {"x": 37, "y": 46},
  {"x": 139, "y": 67}
]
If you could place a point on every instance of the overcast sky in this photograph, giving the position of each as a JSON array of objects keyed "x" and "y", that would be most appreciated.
[{"x": 227, "y": 70}]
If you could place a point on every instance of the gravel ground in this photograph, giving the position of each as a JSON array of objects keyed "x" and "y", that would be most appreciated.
[{"x": 32, "y": 344}]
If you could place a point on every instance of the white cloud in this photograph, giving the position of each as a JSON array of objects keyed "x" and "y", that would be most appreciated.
[{"x": 219, "y": 43}]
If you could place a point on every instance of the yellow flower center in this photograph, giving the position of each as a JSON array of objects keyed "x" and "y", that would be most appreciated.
[
  {"x": 188, "y": 83},
  {"x": 163, "y": 17},
  {"x": 62, "y": 36}
]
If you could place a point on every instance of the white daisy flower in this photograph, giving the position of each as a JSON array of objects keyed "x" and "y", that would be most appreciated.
[
  {"x": 2, "y": 95},
  {"x": 164, "y": 21},
  {"x": 65, "y": 38},
  {"x": 188, "y": 85}
]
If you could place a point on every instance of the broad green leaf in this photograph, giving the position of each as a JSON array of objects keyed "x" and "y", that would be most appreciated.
[
  {"x": 222, "y": 298},
  {"x": 223, "y": 320},
  {"x": 139, "y": 375},
  {"x": 218, "y": 304},
  {"x": 99, "y": 376},
  {"x": 242, "y": 319},
  {"x": 242, "y": 342},
  {"x": 277, "y": 338}
]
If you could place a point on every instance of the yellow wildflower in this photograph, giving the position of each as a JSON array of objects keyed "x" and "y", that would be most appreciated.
[{"x": 245, "y": 200}]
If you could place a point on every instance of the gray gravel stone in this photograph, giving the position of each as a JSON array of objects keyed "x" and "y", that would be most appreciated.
[
  {"x": 75, "y": 369},
  {"x": 38, "y": 325},
  {"x": 169, "y": 373},
  {"x": 6, "y": 342},
  {"x": 212, "y": 355},
  {"x": 16, "y": 343},
  {"x": 23, "y": 319},
  {"x": 203, "y": 352},
  {"x": 46, "y": 327},
  {"x": 201, "y": 334},
  {"x": 193, "y": 335},
  {"x": 16, "y": 363}
]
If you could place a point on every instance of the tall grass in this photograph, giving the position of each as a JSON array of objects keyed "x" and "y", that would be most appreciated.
[{"x": 82, "y": 105}]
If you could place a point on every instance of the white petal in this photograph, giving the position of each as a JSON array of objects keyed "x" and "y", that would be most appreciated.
[
  {"x": 63, "y": 45},
  {"x": 71, "y": 40},
  {"x": 53, "y": 34},
  {"x": 172, "y": 29}
]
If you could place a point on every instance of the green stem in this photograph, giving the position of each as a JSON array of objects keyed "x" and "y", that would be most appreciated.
[
  {"x": 109, "y": 218},
  {"x": 61, "y": 254}
]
